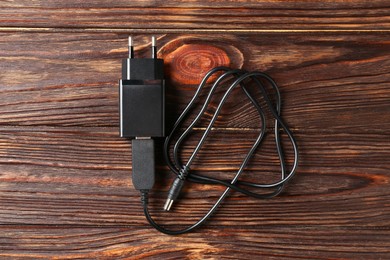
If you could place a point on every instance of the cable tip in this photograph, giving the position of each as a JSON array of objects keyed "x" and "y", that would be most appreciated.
[
  {"x": 168, "y": 204},
  {"x": 173, "y": 193},
  {"x": 153, "y": 41}
]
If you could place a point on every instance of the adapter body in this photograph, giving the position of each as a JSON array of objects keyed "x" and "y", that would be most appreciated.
[{"x": 142, "y": 98}]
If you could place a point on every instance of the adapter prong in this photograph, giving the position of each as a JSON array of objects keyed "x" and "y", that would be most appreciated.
[
  {"x": 154, "y": 48},
  {"x": 131, "y": 48}
]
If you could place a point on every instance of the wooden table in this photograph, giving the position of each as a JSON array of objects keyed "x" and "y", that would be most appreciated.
[{"x": 65, "y": 175}]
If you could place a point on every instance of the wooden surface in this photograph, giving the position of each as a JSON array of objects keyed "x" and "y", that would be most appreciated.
[
  {"x": 193, "y": 14},
  {"x": 65, "y": 175}
]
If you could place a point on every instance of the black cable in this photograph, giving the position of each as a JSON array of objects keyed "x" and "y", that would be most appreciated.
[{"x": 182, "y": 170}]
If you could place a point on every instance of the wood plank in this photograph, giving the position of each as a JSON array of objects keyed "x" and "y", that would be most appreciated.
[
  {"x": 328, "y": 82},
  {"x": 228, "y": 243},
  {"x": 142, "y": 14},
  {"x": 82, "y": 177},
  {"x": 94, "y": 148}
]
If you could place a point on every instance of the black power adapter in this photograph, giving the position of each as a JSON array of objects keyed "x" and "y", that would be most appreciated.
[
  {"x": 142, "y": 111},
  {"x": 142, "y": 116},
  {"x": 142, "y": 96}
]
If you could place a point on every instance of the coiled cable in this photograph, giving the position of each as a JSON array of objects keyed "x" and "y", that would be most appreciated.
[{"x": 241, "y": 78}]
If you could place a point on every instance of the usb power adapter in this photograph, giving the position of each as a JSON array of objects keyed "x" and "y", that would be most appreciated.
[
  {"x": 142, "y": 95},
  {"x": 142, "y": 111}
]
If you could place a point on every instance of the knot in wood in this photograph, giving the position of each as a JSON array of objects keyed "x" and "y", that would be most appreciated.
[{"x": 188, "y": 63}]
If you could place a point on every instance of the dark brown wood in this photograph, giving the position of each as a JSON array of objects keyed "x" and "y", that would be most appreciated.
[
  {"x": 233, "y": 243},
  {"x": 328, "y": 82},
  {"x": 65, "y": 175},
  {"x": 82, "y": 177},
  {"x": 218, "y": 14}
]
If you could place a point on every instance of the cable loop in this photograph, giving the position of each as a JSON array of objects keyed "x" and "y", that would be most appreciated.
[{"x": 240, "y": 78}]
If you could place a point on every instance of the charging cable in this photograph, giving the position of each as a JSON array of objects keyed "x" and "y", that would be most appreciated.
[{"x": 142, "y": 117}]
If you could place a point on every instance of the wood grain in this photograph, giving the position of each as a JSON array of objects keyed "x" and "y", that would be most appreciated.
[
  {"x": 328, "y": 83},
  {"x": 218, "y": 14},
  {"x": 82, "y": 177},
  {"x": 95, "y": 148},
  {"x": 234, "y": 243},
  {"x": 65, "y": 175}
]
